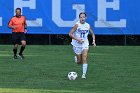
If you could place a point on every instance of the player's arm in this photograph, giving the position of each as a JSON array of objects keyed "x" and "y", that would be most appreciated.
[
  {"x": 93, "y": 36},
  {"x": 10, "y": 25},
  {"x": 72, "y": 36},
  {"x": 25, "y": 25}
]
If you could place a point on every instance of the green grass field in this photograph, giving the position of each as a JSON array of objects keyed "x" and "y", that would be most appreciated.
[{"x": 112, "y": 69}]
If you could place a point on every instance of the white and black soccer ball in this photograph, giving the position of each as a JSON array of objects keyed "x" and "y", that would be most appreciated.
[{"x": 72, "y": 75}]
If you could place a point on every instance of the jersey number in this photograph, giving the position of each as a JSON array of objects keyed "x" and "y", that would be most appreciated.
[{"x": 82, "y": 35}]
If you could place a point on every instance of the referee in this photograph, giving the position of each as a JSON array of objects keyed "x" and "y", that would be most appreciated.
[{"x": 19, "y": 27}]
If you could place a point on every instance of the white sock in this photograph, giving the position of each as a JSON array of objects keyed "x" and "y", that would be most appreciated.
[
  {"x": 85, "y": 68},
  {"x": 75, "y": 59}
]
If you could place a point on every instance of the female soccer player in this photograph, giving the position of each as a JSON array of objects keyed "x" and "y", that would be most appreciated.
[{"x": 79, "y": 34}]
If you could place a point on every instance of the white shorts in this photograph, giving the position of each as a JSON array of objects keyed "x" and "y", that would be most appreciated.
[{"x": 79, "y": 50}]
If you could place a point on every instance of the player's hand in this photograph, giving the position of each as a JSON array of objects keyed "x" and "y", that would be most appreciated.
[
  {"x": 25, "y": 31},
  {"x": 94, "y": 44},
  {"x": 14, "y": 27},
  {"x": 80, "y": 41}
]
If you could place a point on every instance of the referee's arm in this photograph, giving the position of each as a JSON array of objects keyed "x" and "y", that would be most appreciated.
[{"x": 10, "y": 25}]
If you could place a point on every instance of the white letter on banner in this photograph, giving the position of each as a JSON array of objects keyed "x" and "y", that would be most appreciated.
[
  {"x": 0, "y": 21},
  {"x": 101, "y": 20},
  {"x": 32, "y": 5},
  {"x": 56, "y": 14}
]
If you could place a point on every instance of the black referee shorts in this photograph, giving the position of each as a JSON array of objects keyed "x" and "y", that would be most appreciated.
[{"x": 17, "y": 37}]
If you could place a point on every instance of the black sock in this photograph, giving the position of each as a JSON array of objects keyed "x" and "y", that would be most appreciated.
[
  {"x": 21, "y": 49},
  {"x": 15, "y": 51}
]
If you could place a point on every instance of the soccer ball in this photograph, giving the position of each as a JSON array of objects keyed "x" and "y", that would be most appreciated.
[{"x": 72, "y": 75}]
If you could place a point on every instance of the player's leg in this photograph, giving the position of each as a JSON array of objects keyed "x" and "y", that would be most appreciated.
[
  {"x": 23, "y": 45},
  {"x": 78, "y": 55},
  {"x": 85, "y": 65},
  {"x": 15, "y": 51},
  {"x": 15, "y": 43},
  {"x": 79, "y": 58}
]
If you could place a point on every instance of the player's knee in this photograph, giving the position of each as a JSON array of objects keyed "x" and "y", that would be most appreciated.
[
  {"x": 15, "y": 46},
  {"x": 24, "y": 44},
  {"x": 84, "y": 56}
]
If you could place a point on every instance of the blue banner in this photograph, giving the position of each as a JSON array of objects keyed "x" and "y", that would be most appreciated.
[{"x": 106, "y": 17}]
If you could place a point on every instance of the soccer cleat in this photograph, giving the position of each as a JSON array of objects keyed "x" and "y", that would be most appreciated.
[
  {"x": 21, "y": 56},
  {"x": 15, "y": 57},
  {"x": 75, "y": 59},
  {"x": 83, "y": 76}
]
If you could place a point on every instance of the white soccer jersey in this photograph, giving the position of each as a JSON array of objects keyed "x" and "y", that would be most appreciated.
[{"x": 82, "y": 33}]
